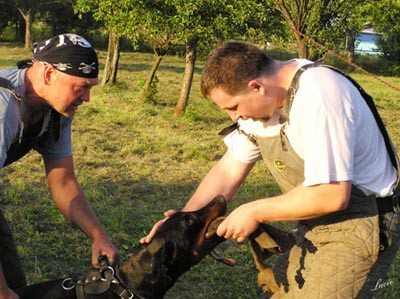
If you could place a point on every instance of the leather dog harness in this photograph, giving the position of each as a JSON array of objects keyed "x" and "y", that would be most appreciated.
[{"x": 99, "y": 281}]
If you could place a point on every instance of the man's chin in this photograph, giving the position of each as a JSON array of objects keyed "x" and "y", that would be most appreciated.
[
  {"x": 68, "y": 113},
  {"x": 262, "y": 119}
]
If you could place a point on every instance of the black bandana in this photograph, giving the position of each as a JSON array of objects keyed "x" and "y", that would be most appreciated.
[{"x": 70, "y": 54}]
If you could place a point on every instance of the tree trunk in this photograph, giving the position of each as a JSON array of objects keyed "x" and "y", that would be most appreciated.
[
  {"x": 27, "y": 16},
  {"x": 112, "y": 60},
  {"x": 350, "y": 44},
  {"x": 302, "y": 48},
  {"x": 147, "y": 86},
  {"x": 191, "y": 52}
]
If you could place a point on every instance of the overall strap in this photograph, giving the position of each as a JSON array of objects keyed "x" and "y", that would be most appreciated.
[
  {"x": 55, "y": 116},
  {"x": 294, "y": 85},
  {"x": 6, "y": 84}
]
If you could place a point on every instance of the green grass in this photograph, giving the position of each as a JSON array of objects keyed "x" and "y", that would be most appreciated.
[{"x": 134, "y": 161}]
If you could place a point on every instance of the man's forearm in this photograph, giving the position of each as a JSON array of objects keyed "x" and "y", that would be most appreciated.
[
  {"x": 76, "y": 209},
  {"x": 83, "y": 217},
  {"x": 223, "y": 179},
  {"x": 303, "y": 203}
]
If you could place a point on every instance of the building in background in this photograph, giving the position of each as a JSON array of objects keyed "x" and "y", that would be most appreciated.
[{"x": 367, "y": 42}]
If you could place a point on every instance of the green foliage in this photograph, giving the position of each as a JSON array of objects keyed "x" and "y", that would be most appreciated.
[
  {"x": 7, "y": 13},
  {"x": 41, "y": 31},
  {"x": 384, "y": 15},
  {"x": 151, "y": 94},
  {"x": 163, "y": 24},
  {"x": 324, "y": 21}
]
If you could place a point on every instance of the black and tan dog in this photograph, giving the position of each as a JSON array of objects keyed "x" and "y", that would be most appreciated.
[{"x": 181, "y": 242}]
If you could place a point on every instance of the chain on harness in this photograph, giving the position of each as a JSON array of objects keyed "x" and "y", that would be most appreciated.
[{"x": 99, "y": 281}]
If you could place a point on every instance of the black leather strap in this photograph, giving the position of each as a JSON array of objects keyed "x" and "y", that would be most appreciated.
[
  {"x": 5, "y": 84},
  {"x": 388, "y": 204},
  {"x": 99, "y": 281}
]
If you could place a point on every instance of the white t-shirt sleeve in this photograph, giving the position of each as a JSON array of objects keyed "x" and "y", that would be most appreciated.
[
  {"x": 322, "y": 127},
  {"x": 241, "y": 148}
]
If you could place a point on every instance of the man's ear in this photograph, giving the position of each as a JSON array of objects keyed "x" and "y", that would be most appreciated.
[
  {"x": 49, "y": 73},
  {"x": 257, "y": 86}
]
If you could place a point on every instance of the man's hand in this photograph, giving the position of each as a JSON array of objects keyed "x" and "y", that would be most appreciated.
[
  {"x": 239, "y": 224},
  {"x": 102, "y": 246},
  {"x": 150, "y": 236},
  {"x": 6, "y": 293}
]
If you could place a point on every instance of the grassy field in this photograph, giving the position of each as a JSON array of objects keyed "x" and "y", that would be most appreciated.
[{"x": 134, "y": 161}]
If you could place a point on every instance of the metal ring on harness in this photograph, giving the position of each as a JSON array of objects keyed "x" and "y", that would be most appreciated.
[
  {"x": 103, "y": 278},
  {"x": 131, "y": 295},
  {"x": 63, "y": 284}
]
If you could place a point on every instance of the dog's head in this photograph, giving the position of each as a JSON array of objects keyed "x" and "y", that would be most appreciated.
[
  {"x": 184, "y": 234},
  {"x": 179, "y": 244}
]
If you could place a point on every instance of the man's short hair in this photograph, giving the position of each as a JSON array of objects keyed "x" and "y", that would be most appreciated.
[{"x": 231, "y": 66}]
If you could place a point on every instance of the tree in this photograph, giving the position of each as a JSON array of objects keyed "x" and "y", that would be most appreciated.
[
  {"x": 62, "y": 18},
  {"x": 28, "y": 10},
  {"x": 384, "y": 16},
  {"x": 357, "y": 20},
  {"x": 156, "y": 31},
  {"x": 7, "y": 14},
  {"x": 324, "y": 21},
  {"x": 265, "y": 25},
  {"x": 112, "y": 60},
  {"x": 111, "y": 14},
  {"x": 202, "y": 23}
]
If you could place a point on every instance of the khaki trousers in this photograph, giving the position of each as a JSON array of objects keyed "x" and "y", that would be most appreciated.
[{"x": 336, "y": 256}]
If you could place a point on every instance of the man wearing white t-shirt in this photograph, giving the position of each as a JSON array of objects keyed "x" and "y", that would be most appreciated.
[{"x": 321, "y": 143}]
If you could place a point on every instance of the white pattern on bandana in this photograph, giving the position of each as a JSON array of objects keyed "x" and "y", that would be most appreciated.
[
  {"x": 87, "y": 68},
  {"x": 62, "y": 66}
]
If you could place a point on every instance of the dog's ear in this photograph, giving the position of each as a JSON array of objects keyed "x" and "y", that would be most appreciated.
[
  {"x": 156, "y": 270},
  {"x": 146, "y": 270}
]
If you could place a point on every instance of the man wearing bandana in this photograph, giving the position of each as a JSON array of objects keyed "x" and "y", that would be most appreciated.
[{"x": 37, "y": 105}]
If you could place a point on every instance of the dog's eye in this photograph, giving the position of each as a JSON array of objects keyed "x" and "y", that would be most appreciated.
[{"x": 190, "y": 218}]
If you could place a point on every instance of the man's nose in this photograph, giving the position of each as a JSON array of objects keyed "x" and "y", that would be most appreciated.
[
  {"x": 86, "y": 96},
  {"x": 233, "y": 115}
]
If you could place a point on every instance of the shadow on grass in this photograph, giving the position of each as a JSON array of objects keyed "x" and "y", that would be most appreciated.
[{"x": 137, "y": 67}]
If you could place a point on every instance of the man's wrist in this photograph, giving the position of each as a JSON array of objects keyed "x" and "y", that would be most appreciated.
[{"x": 98, "y": 234}]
